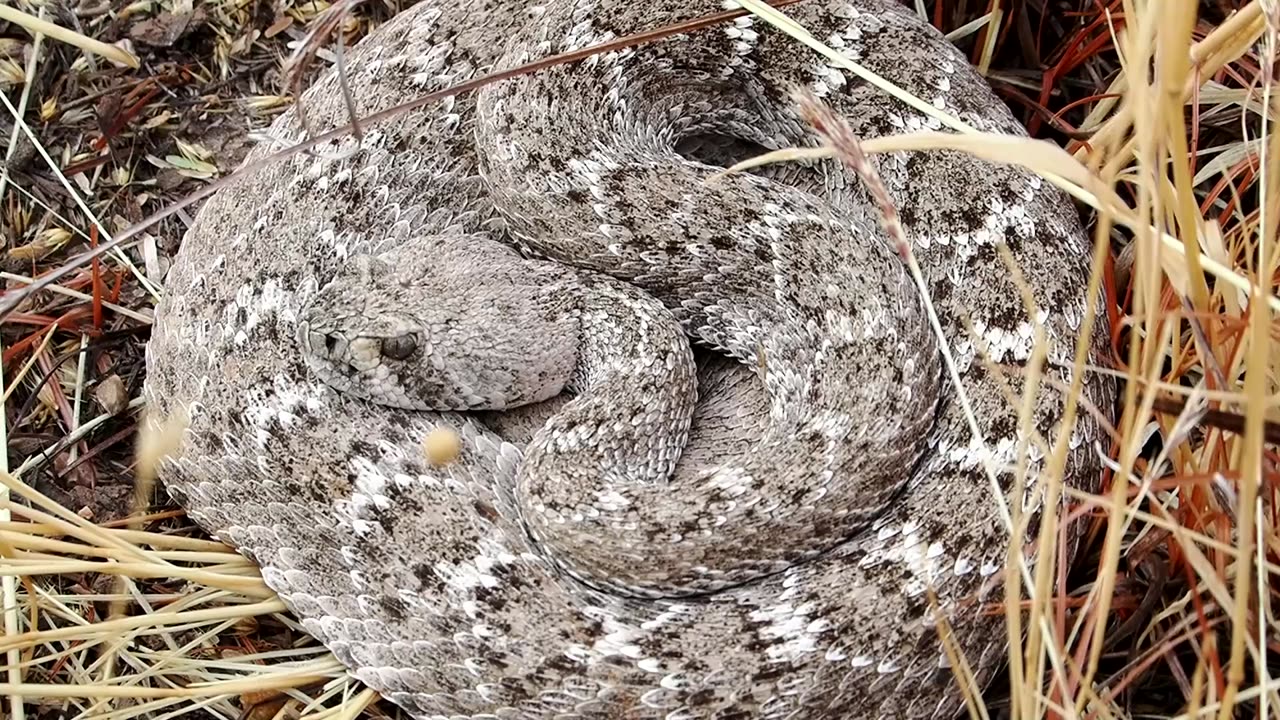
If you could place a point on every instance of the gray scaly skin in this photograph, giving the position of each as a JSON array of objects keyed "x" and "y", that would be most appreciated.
[
  {"x": 710, "y": 464},
  {"x": 441, "y": 323}
]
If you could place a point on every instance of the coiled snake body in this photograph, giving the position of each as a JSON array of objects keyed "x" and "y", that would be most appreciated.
[{"x": 710, "y": 461}]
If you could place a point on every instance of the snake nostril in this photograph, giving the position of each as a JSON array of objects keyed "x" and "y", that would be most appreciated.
[{"x": 331, "y": 343}]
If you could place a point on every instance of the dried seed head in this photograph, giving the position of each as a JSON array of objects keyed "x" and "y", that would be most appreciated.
[{"x": 442, "y": 446}]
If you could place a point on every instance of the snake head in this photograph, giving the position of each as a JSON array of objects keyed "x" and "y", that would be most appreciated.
[
  {"x": 364, "y": 334},
  {"x": 453, "y": 338}
]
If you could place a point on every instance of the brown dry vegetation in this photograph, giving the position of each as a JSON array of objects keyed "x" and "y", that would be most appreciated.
[{"x": 118, "y": 607}]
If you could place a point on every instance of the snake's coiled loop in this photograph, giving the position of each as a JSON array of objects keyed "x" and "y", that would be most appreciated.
[{"x": 784, "y": 273}]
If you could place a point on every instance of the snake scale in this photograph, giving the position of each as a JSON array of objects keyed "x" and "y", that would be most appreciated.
[{"x": 710, "y": 461}]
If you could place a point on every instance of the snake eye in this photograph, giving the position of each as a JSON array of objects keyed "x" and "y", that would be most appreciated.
[{"x": 399, "y": 347}]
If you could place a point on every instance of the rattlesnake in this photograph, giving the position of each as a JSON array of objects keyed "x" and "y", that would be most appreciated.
[{"x": 527, "y": 266}]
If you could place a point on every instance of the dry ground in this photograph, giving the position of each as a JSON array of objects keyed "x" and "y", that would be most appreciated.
[{"x": 124, "y": 609}]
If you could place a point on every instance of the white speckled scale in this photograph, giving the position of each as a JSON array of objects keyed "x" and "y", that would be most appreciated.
[{"x": 709, "y": 468}]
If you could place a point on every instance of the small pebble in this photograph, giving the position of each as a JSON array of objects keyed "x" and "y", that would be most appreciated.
[{"x": 112, "y": 395}]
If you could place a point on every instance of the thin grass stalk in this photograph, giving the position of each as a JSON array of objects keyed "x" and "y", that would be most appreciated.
[
  {"x": 37, "y": 43},
  {"x": 1174, "y": 36},
  {"x": 40, "y": 26},
  {"x": 1227, "y": 42},
  {"x": 1136, "y": 47},
  {"x": 1255, "y": 390},
  {"x": 1022, "y": 645},
  {"x": 279, "y": 679},
  {"x": 74, "y": 194},
  {"x": 9, "y": 583},
  {"x": 12, "y": 613},
  {"x": 157, "y": 619}
]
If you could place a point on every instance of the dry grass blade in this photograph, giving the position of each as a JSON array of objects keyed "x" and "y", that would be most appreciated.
[
  {"x": 61, "y": 34},
  {"x": 161, "y": 649},
  {"x": 328, "y": 22}
]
